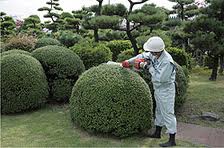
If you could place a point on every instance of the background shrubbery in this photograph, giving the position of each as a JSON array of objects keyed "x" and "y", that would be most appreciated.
[
  {"x": 111, "y": 99},
  {"x": 92, "y": 54},
  {"x": 45, "y": 41},
  {"x": 62, "y": 67},
  {"x": 22, "y": 42}
]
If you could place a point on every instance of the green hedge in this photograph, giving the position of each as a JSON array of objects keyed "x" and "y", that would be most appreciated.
[
  {"x": 92, "y": 54},
  {"x": 111, "y": 99},
  {"x": 179, "y": 56},
  {"x": 62, "y": 67},
  {"x": 45, "y": 41},
  {"x": 69, "y": 38},
  {"x": 117, "y": 46},
  {"x": 23, "y": 83}
]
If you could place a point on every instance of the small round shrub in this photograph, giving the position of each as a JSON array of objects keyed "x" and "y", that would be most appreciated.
[
  {"x": 111, "y": 99},
  {"x": 117, "y": 46},
  {"x": 62, "y": 68},
  {"x": 69, "y": 38},
  {"x": 92, "y": 55},
  {"x": 23, "y": 83},
  {"x": 21, "y": 42},
  {"x": 45, "y": 41},
  {"x": 179, "y": 56},
  {"x": 15, "y": 51}
]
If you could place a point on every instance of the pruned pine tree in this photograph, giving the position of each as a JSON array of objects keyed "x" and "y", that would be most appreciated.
[
  {"x": 7, "y": 25},
  {"x": 206, "y": 32},
  {"x": 53, "y": 11}
]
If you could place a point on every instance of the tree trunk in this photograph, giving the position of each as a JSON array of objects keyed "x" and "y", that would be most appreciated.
[
  {"x": 133, "y": 42},
  {"x": 96, "y": 36},
  {"x": 182, "y": 12},
  {"x": 221, "y": 64},
  {"x": 98, "y": 13},
  {"x": 214, "y": 68}
]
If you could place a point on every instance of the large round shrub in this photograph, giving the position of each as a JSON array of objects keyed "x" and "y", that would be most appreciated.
[
  {"x": 92, "y": 54},
  {"x": 62, "y": 67},
  {"x": 22, "y": 42},
  {"x": 45, "y": 41},
  {"x": 23, "y": 83},
  {"x": 111, "y": 99}
]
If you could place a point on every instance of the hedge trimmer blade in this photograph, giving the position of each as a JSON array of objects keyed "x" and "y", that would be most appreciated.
[{"x": 114, "y": 63}]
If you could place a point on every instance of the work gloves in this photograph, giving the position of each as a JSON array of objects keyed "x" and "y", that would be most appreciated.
[
  {"x": 125, "y": 64},
  {"x": 138, "y": 64}
]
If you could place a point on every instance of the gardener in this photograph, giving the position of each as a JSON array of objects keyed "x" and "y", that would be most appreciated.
[{"x": 162, "y": 70}]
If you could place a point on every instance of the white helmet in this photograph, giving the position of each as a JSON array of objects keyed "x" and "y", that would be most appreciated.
[{"x": 154, "y": 44}]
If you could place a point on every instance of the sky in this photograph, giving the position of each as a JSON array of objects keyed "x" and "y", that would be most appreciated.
[{"x": 24, "y": 8}]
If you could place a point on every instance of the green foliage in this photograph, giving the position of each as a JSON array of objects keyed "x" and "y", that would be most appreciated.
[
  {"x": 109, "y": 35},
  {"x": 23, "y": 83},
  {"x": 62, "y": 68},
  {"x": 22, "y": 42},
  {"x": 92, "y": 54},
  {"x": 111, "y": 99},
  {"x": 7, "y": 25},
  {"x": 117, "y": 46},
  {"x": 68, "y": 38},
  {"x": 116, "y": 9},
  {"x": 15, "y": 51},
  {"x": 45, "y": 41},
  {"x": 179, "y": 56},
  {"x": 208, "y": 62},
  {"x": 52, "y": 14},
  {"x": 124, "y": 55},
  {"x": 31, "y": 25},
  {"x": 148, "y": 15},
  {"x": 103, "y": 22}
]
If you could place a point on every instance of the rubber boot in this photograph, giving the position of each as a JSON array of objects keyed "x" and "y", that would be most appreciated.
[
  {"x": 157, "y": 133},
  {"x": 171, "y": 141}
]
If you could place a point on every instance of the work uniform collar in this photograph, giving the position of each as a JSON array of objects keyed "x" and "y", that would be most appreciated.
[{"x": 161, "y": 56}]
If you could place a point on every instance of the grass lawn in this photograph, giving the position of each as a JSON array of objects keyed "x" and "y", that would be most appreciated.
[
  {"x": 203, "y": 96},
  {"x": 51, "y": 125}
]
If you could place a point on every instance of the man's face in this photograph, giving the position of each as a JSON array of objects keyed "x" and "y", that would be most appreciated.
[{"x": 156, "y": 54}]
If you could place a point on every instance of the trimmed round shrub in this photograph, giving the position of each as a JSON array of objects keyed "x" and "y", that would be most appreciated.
[
  {"x": 111, "y": 99},
  {"x": 21, "y": 42},
  {"x": 15, "y": 51},
  {"x": 23, "y": 83},
  {"x": 62, "y": 68},
  {"x": 45, "y": 41},
  {"x": 92, "y": 55},
  {"x": 117, "y": 46},
  {"x": 179, "y": 56},
  {"x": 69, "y": 38}
]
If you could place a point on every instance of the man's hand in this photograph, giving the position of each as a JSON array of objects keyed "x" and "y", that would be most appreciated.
[
  {"x": 125, "y": 64},
  {"x": 138, "y": 63}
]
